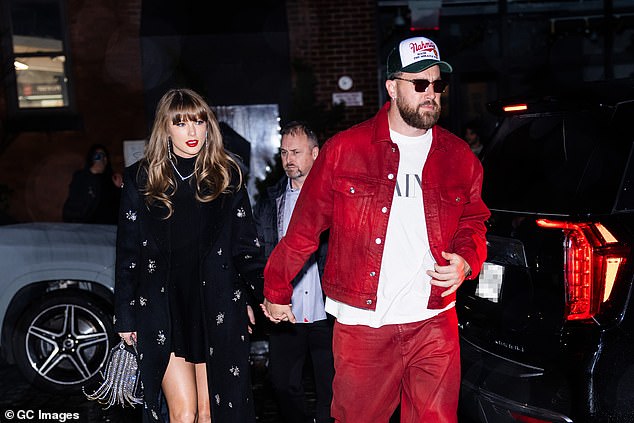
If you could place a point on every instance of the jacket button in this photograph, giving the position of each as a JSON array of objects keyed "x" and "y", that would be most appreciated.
[
  {"x": 368, "y": 302},
  {"x": 372, "y": 274},
  {"x": 384, "y": 210},
  {"x": 390, "y": 176},
  {"x": 351, "y": 190},
  {"x": 378, "y": 240},
  {"x": 457, "y": 199}
]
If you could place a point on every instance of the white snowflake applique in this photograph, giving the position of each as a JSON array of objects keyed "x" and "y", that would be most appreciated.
[
  {"x": 144, "y": 243},
  {"x": 220, "y": 318},
  {"x": 142, "y": 301},
  {"x": 230, "y": 405},
  {"x": 235, "y": 371},
  {"x": 211, "y": 351},
  {"x": 114, "y": 320},
  {"x": 154, "y": 415},
  {"x": 162, "y": 289},
  {"x": 132, "y": 302},
  {"x": 130, "y": 215},
  {"x": 220, "y": 252},
  {"x": 248, "y": 256},
  {"x": 236, "y": 295},
  {"x": 217, "y": 399},
  {"x": 242, "y": 338},
  {"x": 151, "y": 266},
  {"x": 241, "y": 212},
  {"x": 132, "y": 265},
  {"x": 256, "y": 242},
  {"x": 160, "y": 339}
]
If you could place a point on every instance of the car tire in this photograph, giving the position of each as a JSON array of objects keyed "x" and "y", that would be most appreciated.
[{"x": 63, "y": 340}]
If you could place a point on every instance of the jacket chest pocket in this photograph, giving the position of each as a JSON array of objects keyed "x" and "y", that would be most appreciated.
[
  {"x": 452, "y": 203},
  {"x": 352, "y": 202}
]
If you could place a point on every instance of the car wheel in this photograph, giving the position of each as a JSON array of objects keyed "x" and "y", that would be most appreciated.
[{"x": 62, "y": 341}]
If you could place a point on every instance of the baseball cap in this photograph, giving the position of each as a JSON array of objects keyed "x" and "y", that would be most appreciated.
[{"x": 414, "y": 55}]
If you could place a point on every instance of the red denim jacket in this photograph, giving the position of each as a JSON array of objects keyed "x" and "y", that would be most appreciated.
[{"x": 349, "y": 191}]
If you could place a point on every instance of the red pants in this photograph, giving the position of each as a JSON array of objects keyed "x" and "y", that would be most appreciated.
[{"x": 417, "y": 364}]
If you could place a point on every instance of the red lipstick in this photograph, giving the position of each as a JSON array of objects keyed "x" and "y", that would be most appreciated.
[{"x": 192, "y": 143}]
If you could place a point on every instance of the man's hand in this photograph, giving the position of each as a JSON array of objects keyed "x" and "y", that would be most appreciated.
[
  {"x": 450, "y": 276},
  {"x": 278, "y": 312}
]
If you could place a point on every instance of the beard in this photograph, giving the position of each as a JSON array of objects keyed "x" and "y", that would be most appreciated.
[
  {"x": 293, "y": 172},
  {"x": 414, "y": 118}
]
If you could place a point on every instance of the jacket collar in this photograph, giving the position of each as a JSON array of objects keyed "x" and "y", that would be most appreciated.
[{"x": 382, "y": 130}]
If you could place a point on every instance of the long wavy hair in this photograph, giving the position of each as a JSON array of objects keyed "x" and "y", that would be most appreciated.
[{"x": 213, "y": 166}]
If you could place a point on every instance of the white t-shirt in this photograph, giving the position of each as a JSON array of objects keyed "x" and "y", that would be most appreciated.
[{"x": 404, "y": 287}]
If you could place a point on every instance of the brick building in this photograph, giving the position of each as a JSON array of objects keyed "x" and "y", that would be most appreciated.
[{"x": 98, "y": 67}]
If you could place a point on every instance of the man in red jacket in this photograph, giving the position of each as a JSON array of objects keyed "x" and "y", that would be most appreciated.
[{"x": 402, "y": 199}]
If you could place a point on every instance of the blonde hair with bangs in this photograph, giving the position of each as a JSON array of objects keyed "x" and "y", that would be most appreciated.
[{"x": 212, "y": 169}]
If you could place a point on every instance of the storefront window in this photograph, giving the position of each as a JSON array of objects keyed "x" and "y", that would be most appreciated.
[{"x": 39, "y": 55}]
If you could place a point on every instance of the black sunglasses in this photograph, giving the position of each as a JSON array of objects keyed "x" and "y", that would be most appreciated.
[{"x": 420, "y": 85}]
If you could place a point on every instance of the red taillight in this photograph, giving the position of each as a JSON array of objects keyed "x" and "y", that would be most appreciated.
[{"x": 591, "y": 263}]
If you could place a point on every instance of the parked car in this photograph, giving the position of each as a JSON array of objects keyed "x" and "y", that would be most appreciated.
[
  {"x": 56, "y": 292},
  {"x": 547, "y": 328}
]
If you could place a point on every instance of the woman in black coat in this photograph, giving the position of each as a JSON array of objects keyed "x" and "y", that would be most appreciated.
[{"x": 188, "y": 264}]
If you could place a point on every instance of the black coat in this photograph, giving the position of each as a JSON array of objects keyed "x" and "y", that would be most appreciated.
[
  {"x": 92, "y": 198},
  {"x": 266, "y": 213},
  {"x": 231, "y": 265}
]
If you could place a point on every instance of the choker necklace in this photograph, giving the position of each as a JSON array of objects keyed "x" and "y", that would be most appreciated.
[{"x": 179, "y": 174}]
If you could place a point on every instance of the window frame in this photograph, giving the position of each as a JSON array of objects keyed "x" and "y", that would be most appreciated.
[{"x": 22, "y": 115}]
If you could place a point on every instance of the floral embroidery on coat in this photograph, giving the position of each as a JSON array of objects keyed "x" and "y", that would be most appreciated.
[
  {"x": 160, "y": 339},
  {"x": 151, "y": 266},
  {"x": 130, "y": 215},
  {"x": 220, "y": 318},
  {"x": 241, "y": 212}
]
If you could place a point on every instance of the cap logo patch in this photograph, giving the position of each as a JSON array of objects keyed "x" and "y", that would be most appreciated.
[{"x": 414, "y": 51}]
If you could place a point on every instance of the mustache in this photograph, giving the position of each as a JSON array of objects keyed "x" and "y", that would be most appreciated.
[{"x": 429, "y": 103}]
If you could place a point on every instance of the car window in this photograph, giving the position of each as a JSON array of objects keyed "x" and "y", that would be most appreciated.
[{"x": 566, "y": 162}]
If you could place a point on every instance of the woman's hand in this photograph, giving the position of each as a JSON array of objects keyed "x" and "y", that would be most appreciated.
[
  {"x": 251, "y": 318},
  {"x": 128, "y": 337}
]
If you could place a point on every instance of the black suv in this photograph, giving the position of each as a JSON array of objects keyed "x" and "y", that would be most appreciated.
[{"x": 547, "y": 328}]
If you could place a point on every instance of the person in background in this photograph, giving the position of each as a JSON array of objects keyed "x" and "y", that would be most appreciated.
[
  {"x": 290, "y": 345},
  {"x": 401, "y": 198},
  {"x": 188, "y": 260},
  {"x": 472, "y": 134},
  {"x": 94, "y": 191}
]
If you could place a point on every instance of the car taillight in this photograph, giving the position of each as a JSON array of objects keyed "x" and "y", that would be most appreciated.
[{"x": 592, "y": 259}]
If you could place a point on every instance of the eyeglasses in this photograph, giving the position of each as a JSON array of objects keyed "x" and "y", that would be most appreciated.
[{"x": 420, "y": 85}]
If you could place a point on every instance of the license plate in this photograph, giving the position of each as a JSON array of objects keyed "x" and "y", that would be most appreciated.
[{"x": 490, "y": 282}]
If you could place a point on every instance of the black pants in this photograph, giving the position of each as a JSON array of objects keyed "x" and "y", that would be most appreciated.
[{"x": 289, "y": 345}]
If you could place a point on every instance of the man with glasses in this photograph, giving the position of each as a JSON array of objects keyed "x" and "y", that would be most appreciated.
[{"x": 401, "y": 197}]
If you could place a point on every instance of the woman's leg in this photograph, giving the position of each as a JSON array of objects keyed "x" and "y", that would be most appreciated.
[
  {"x": 179, "y": 388},
  {"x": 204, "y": 410}
]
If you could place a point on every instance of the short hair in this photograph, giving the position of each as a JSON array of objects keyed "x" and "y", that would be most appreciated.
[{"x": 297, "y": 127}]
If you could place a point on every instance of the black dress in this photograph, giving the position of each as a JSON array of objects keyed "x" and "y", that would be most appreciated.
[{"x": 188, "y": 335}]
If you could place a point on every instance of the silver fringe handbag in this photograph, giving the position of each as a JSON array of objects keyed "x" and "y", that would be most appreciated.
[{"x": 121, "y": 385}]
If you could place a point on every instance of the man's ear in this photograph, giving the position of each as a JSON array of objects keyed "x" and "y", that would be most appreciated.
[
  {"x": 390, "y": 86},
  {"x": 315, "y": 152}
]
